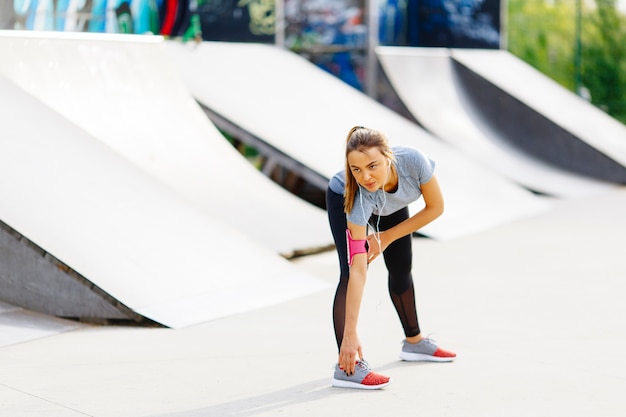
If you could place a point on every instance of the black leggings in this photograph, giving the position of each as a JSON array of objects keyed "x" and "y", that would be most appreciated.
[{"x": 398, "y": 260}]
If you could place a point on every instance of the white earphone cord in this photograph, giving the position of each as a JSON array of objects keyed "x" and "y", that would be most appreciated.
[{"x": 380, "y": 212}]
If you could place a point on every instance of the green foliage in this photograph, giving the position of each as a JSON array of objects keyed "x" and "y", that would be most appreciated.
[
  {"x": 603, "y": 59},
  {"x": 543, "y": 33}
]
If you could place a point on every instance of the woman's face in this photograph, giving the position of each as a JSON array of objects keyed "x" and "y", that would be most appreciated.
[{"x": 370, "y": 168}]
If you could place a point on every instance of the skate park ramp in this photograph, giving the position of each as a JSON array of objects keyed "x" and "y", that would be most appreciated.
[
  {"x": 306, "y": 112},
  {"x": 428, "y": 82},
  {"x": 556, "y": 125},
  {"x": 122, "y": 90},
  {"x": 85, "y": 233}
]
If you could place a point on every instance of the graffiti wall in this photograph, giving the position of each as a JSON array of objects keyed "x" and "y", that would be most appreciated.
[
  {"x": 330, "y": 33},
  {"x": 238, "y": 20},
  {"x": 441, "y": 23},
  {"x": 235, "y": 20}
]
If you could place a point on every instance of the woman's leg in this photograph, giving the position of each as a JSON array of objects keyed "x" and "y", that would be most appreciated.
[
  {"x": 399, "y": 261},
  {"x": 338, "y": 226}
]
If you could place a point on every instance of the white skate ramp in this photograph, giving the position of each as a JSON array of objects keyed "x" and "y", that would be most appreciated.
[
  {"x": 305, "y": 112},
  {"x": 102, "y": 225},
  {"x": 425, "y": 80},
  {"x": 122, "y": 90},
  {"x": 541, "y": 117}
]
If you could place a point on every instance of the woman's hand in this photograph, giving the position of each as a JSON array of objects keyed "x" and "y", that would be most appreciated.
[
  {"x": 377, "y": 245},
  {"x": 350, "y": 348},
  {"x": 434, "y": 205}
]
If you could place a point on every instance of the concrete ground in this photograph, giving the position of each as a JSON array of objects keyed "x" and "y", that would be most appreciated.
[{"x": 534, "y": 309}]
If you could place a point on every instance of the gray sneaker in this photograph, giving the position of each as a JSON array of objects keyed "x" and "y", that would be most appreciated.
[
  {"x": 425, "y": 350},
  {"x": 363, "y": 377}
]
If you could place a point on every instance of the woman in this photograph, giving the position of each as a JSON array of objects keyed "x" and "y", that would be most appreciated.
[{"x": 375, "y": 190}]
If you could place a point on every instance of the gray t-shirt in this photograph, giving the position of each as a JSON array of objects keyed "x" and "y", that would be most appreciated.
[{"x": 414, "y": 169}]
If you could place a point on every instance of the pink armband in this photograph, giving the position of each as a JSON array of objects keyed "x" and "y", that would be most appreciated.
[{"x": 355, "y": 246}]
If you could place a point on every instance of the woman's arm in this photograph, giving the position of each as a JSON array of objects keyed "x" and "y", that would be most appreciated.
[
  {"x": 433, "y": 209},
  {"x": 350, "y": 345}
]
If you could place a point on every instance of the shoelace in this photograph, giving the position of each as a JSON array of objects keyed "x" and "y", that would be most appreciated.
[
  {"x": 430, "y": 342},
  {"x": 362, "y": 363}
]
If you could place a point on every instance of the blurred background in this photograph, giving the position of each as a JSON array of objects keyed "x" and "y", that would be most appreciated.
[{"x": 581, "y": 44}]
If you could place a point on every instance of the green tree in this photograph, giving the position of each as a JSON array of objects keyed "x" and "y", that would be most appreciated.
[
  {"x": 543, "y": 34},
  {"x": 603, "y": 56}
]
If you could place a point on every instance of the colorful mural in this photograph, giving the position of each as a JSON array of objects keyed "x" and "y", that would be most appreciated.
[
  {"x": 199, "y": 19},
  {"x": 330, "y": 33},
  {"x": 238, "y": 20},
  {"x": 441, "y": 23}
]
